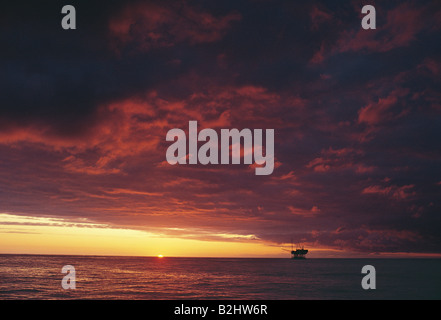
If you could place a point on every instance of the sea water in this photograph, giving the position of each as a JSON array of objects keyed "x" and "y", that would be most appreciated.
[{"x": 103, "y": 277}]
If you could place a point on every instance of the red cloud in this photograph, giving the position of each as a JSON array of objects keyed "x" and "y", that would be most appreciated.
[
  {"x": 318, "y": 17},
  {"x": 304, "y": 212},
  {"x": 402, "y": 26},
  {"x": 376, "y": 112},
  {"x": 395, "y": 192},
  {"x": 339, "y": 159},
  {"x": 124, "y": 130}
]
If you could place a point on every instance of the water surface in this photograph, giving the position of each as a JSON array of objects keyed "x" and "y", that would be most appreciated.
[{"x": 98, "y": 277}]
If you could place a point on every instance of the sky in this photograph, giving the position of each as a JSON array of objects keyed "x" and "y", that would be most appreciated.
[{"x": 356, "y": 114}]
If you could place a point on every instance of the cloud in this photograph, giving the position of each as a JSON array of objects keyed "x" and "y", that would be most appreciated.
[
  {"x": 395, "y": 192},
  {"x": 340, "y": 159},
  {"x": 84, "y": 118},
  {"x": 146, "y": 26},
  {"x": 400, "y": 27},
  {"x": 380, "y": 111},
  {"x": 319, "y": 17},
  {"x": 304, "y": 212}
]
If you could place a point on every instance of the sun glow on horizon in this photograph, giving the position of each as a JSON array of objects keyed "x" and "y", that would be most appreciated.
[{"x": 21, "y": 234}]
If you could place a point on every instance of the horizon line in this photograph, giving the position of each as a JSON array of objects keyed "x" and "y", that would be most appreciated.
[{"x": 426, "y": 256}]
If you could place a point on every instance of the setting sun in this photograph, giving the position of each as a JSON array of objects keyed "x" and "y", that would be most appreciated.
[{"x": 160, "y": 256}]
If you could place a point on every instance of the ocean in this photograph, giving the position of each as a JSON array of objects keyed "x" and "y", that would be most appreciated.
[{"x": 151, "y": 278}]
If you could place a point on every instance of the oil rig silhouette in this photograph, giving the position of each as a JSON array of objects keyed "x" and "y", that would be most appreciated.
[{"x": 299, "y": 253}]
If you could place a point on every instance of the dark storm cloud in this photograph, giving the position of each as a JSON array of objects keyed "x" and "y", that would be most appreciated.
[
  {"x": 356, "y": 115},
  {"x": 58, "y": 76}
]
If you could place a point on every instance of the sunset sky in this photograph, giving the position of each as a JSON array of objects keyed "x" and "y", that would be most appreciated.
[{"x": 84, "y": 115}]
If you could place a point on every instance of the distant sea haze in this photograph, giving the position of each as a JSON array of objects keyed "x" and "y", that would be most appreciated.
[{"x": 151, "y": 278}]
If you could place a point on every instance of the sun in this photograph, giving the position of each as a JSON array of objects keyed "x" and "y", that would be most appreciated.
[{"x": 160, "y": 256}]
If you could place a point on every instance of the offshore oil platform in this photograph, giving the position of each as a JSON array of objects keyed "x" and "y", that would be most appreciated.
[{"x": 298, "y": 253}]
